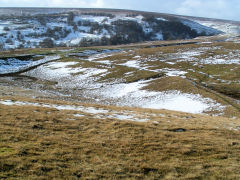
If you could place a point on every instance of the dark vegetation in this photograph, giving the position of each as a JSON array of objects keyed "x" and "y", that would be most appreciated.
[
  {"x": 128, "y": 31},
  {"x": 99, "y": 14}
]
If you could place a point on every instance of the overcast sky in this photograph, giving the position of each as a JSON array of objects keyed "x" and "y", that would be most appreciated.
[{"x": 223, "y": 9}]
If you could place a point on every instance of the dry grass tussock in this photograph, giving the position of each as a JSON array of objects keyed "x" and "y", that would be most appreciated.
[{"x": 45, "y": 143}]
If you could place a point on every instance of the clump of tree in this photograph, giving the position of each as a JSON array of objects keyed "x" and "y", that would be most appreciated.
[
  {"x": 6, "y": 28},
  {"x": 53, "y": 33},
  {"x": 96, "y": 28},
  {"x": 127, "y": 31},
  {"x": 20, "y": 46},
  {"x": 70, "y": 19},
  {"x": 34, "y": 35},
  {"x": 104, "y": 41},
  {"x": 172, "y": 29},
  {"x": 1, "y": 46},
  {"x": 75, "y": 28},
  {"x": 9, "y": 41},
  {"x": 132, "y": 15},
  {"x": 79, "y": 23},
  {"x": 29, "y": 26},
  {"x": 20, "y": 37},
  {"x": 149, "y": 18},
  {"x": 56, "y": 32},
  {"x": 41, "y": 20},
  {"x": 47, "y": 43},
  {"x": 99, "y": 14},
  {"x": 62, "y": 44},
  {"x": 176, "y": 30},
  {"x": 87, "y": 42}
]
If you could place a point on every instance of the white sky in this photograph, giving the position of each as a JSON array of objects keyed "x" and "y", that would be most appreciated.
[{"x": 223, "y": 9}]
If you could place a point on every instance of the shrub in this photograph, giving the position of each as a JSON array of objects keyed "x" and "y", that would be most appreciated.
[
  {"x": 9, "y": 41},
  {"x": 70, "y": 19},
  {"x": 19, "y": 36},
  {"x": 1, "y": 46},
  {"x": 42, "y": 20},
  {"x": 47, "y": 43},
  {"x": 6, "y": 28},
  {"x": 20, "y": 46},
  {"x": 100, "y": 14},
  {"x": 79, "y": 23}
]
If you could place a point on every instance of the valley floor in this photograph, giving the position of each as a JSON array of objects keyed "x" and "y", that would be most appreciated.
[{"x": 145, "y": 111}]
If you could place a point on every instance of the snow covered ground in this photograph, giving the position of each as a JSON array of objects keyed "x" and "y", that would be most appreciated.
[
  {"x": 99, "y": 113},
  {"x": 189, "y": 103},
  {"x": 130, "y": 94},
  {"x": 201, "y": 27},
  {"x": 14, "y": 65},
  {"x": 74, "y": 76},
  {"x": 69, "y": 76},
  {"x": 18, "y": 33},
  {"x": 228, "y": 28}
]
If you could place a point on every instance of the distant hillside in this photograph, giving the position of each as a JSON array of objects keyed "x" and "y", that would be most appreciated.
[{"x": 51, "y": 27}]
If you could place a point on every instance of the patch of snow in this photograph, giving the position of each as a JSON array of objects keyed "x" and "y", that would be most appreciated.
[
  {"x": 175, "y": 100},
  {"x": 206, "y": 42},
  {"x": 172, "y": 63},
  {"x": 79, "y": 115},
  {"x": 16, "y": 65},
  {"x": 90, "y": 18},
  {"x": 105, "y": 62},
  {"x": 56, "y": 74},
  {"x": 65, "y": 50},
  {"x": 190, "y": 53},
  {"x": 155, "y": 122},
  {"x": 12, "y": 63},
  {"x": 128, "y": 73},
  {"x": 68, "y": 77},
  {"x": 130, "y": 94},
  {"x": 57, "y": 65},
  {"x": 220, "y": 61},
  {"x": 98, "y": 56},
  {"x": 180, "y": 102},
  {"x": 136, "y": 57},
  {"x": 173, "y": 72},
  {"x": 131, "y": 63},
  {"x": 161, "y": 19},
  {"x": 121, "y": 90},
  {"x": 125, "y": 18},
  {"x": 228, "y": 28},
  {"x": 96, "y": 112},
  {"x": 159, "y": 36},
  {"x": 132, "y": 117},
  {"x": 92, "y": 110},
  {"x": 147, "y": 29},
  {"x": 200, "y": 28},
  {"x": 55, "y": 70}
]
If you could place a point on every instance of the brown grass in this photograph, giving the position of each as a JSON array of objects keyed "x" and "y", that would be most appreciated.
[{"x": 40, "y": 143}]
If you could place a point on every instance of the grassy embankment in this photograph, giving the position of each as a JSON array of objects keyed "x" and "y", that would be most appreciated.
[{"x": 44, "y": 143}]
